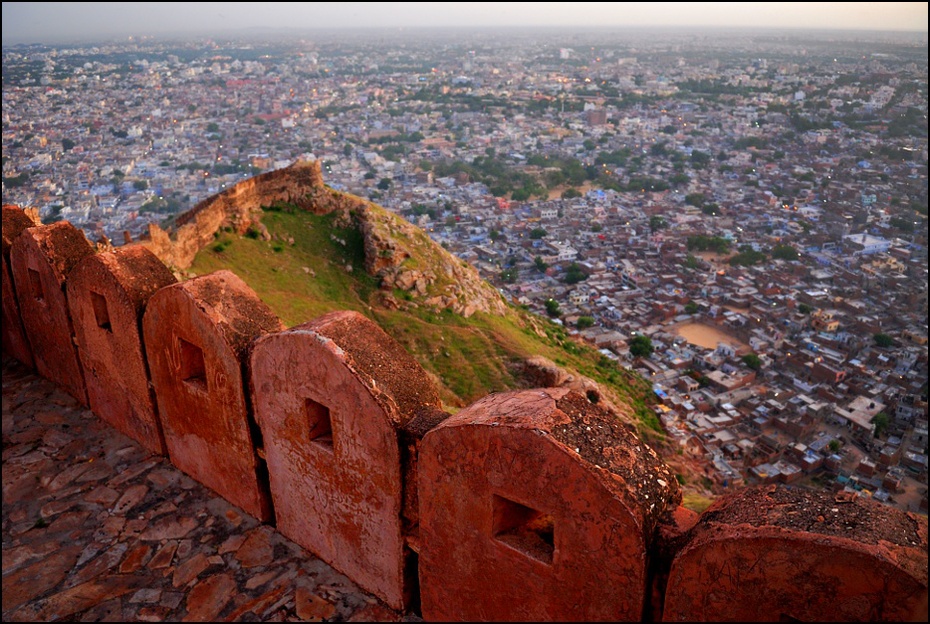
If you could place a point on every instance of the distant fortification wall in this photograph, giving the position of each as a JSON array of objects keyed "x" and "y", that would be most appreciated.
[
  {"x": 235, "y": 207},
  {"x": 529, "y": 505}
]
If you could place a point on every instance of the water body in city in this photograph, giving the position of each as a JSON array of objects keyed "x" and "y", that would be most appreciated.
[{"x": 704, "y": 335}]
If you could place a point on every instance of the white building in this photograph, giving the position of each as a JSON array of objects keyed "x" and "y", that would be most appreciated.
[{"x": 869, "y": 244}]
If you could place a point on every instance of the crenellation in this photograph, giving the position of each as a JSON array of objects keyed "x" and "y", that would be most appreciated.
[
  {"x": 41, "y": 259},
  {"x": 15, "y": 340},
  {"x": 107, "y": 296},
  {"x": 517, "y": 522},
  {"x": 331, "y": 397},
  {"x": 804, "y": 555},
  {"x": 197, "y": 335}
]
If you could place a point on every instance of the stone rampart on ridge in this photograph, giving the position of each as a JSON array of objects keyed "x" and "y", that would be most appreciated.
[{"x": 235, "y": 207}]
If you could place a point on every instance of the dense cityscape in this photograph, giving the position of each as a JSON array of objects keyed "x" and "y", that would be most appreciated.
[{"x": 739, "y": 216}]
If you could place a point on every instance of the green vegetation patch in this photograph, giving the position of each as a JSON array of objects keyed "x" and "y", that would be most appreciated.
[{"x": 311, "y": 266}]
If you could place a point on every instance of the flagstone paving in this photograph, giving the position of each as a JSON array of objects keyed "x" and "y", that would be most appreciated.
[{"x": 96, "y": 528}]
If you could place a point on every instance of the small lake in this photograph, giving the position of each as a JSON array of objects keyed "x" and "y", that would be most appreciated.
[{"x": 705, "y": 335}]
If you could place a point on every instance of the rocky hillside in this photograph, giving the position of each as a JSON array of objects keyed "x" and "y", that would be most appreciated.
[
  {"x": 404, "y": 258},
  {"x": 398, "y": 254},
  {"x": 307, "y": 249}
]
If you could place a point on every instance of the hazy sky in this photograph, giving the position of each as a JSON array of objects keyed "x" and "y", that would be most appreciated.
[{"x": 81, "y": 21}]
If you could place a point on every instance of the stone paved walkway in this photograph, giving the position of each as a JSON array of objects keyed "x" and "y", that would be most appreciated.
[{"x": 95, "y": 528}]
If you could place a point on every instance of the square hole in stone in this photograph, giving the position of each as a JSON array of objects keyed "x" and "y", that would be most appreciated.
[
  {"x": 35, "y": 281},
  {"x": 193, "y": 367},
  {"x": 101, "y": 312},
  {"x": 319, "y": 423},
  {"x": 524, "y": 529}
]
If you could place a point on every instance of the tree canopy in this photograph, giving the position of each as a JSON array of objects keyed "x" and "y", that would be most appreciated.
[{"x": 641, "y": 346}]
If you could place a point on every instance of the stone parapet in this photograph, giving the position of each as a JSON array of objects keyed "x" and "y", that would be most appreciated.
[
  {"x": 107, "y": 296},
  {"x": 538, "y": 505},
  {"x": 331, "y": 397},
  {"x": 197, "y": 335},
  {"x": 41, "y": 259},
  {"x": 787, "y": 554},
  {"x": 237, "y": 207},
  {"x": 15, "y": 341}
]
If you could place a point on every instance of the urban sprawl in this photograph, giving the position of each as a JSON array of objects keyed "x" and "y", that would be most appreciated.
[{"x": 741, "y": 217}]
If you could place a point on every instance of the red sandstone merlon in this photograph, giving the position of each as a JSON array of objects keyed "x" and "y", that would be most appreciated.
[
  {"x": 107, "y": 295},
  {"x": 41, "y": 259},
  {"x": 538, "y": 506},
  {"x": 342, "y": 407},
  {"x": 197, "y": 337},
  {"x": 779, "y": 553},
  {"x": 15, "y": 341}
]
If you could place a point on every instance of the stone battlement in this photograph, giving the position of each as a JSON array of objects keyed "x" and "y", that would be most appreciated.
[
  {"x": 235, "y": 207},
  {"x": 529, "y": 505}
]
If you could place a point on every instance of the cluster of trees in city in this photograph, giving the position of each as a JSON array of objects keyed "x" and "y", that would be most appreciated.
[
  {"x": 17, "y": 180},
  {"x": 641, "y": 346},
  {"x": 699, "y": 201},
  {"x": 746, "y": 255},
  {"x": 500, "y": 177},
  {"x": 571, "y": 274},
  {"x": 703, "y": 242},
  {"x": 504, "y": 178},
  {"x": 170, "y": 203},
  {"x": 619, "y": 169}
]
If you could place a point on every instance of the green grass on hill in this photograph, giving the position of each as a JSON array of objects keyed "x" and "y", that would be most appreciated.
[{"x": 323, "y": 270}]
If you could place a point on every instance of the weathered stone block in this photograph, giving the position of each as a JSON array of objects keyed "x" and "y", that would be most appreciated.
[
  {"x": 337, "y": 400},
  {"x": 197, "y": 337},
  {"x": 779, "y": 553},
  {"x": 41, "y": 259},
  {"x": 15, "y": 341},
  {"x": 107, "y": 295},
  {"x": 538, "y": 506}
]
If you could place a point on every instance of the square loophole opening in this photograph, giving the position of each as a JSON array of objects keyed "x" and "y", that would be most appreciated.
[
  {"x": 193, "y": 367},
  {"x": 524, "y": 529},
  {"x": 35, "y": 282},
  {"x": 101, "y": 312},
  {"x": 319, "y": 425}
]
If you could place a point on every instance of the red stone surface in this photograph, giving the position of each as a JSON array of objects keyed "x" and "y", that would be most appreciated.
[
  {"x": 107, "y": 295},
  {"x": 331, "y": 396},
  {"x": 197, "y": 336},
  {"x": 779, "y": 553},
  {"x": 537, "y": 506},
  {"x": 15, "y": 341},
  {"x": 41, "y": 259}
]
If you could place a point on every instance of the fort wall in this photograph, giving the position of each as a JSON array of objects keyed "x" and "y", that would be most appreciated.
[
  {"x": 236, "y": 207},
  {"x": 530, "y": 505}
]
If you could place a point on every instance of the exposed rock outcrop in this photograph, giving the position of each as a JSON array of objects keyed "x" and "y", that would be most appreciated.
[{"x": 403, "y": 257}]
